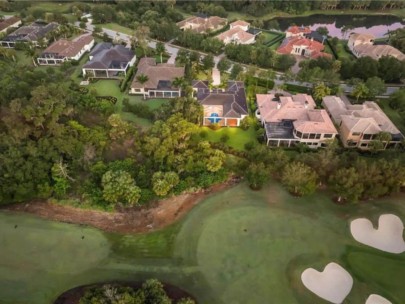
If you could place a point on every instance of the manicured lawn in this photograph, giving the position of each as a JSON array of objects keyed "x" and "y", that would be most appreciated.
[
  {"x": 268, "y": 36},
  {"x": 341, "y": 50},
  {"x": 23, "y": 59},
  {"x": 395, "y": 117},
  {"x": 237, "y": 137},
  {"x": 118, "y": 28},
  {"x": 237, "y": 246},
  {"x": 51, "y": 7}
]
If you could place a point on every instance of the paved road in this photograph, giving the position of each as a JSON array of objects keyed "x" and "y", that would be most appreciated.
[{"x": 173, "y": 51}]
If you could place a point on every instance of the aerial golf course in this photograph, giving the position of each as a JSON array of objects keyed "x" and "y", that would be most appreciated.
[{"x": 237, "y": 246}]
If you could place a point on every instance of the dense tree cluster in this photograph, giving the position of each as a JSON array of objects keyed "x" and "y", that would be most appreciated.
[
  {"x": 201, "y": 42},
  {"x": 262, "y": 56},
  {"x": 151, "y": 291}
]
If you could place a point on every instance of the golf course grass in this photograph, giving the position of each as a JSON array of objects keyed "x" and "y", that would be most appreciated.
[{"x": 237, "y": 246}]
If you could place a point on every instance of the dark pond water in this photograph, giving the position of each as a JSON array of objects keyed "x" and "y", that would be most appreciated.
[{"x": 376, "y": 25}]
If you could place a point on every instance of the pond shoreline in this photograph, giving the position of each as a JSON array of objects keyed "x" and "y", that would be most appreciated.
[
  {"x": 72, "y": 296},
  {"x": 155, "y": 216}
]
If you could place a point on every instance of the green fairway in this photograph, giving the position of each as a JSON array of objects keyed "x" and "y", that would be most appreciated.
[
  {"x": 237, "y": 136},
  {"x": 116, "y": 27},
  {"x": 237, "y": 246}
]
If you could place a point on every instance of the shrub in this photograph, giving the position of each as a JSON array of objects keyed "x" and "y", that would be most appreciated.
[
  {"x": 224, "y": 138},
  {"x": 249, "y": 145},
  {"x": 203, "y": 134},
  {"x": 214, "y": 126},
  {"x": 139, "y": 109}
]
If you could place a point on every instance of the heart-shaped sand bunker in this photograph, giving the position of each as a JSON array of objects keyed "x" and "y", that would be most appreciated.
[
  {"x": 376, "y": 299},
  {"x": 333, "y": 284},
  {"x": 387, "y": 237}
]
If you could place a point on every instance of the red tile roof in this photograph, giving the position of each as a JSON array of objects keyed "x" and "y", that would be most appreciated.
[
  {"x": 313, "y": 46},
  {"x": 299, "y": 29}
]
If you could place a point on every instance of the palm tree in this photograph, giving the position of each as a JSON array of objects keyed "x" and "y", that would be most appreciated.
[
  {"x": 160, "y": 49},
  {"x": 142, "y": 78},
  {"x": 179, "y": 82}
]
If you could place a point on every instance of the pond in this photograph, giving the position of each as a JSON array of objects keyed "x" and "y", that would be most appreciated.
[
  {"x": 379, "y": 26},
  {"x": 235, "y": 242}
]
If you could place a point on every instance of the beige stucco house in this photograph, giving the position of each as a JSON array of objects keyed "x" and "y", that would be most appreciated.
[
  {"x": 293, "y": 119},
  {"x": 238, "y": 34},
  {"x": 360, "y": 124},
  {"x": 202, "y": 24}
]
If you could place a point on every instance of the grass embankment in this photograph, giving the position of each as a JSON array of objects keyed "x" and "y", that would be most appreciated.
[{"x": 116, "y": 27}]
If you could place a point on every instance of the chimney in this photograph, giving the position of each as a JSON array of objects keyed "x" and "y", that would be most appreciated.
[
  {"x": 306, "y": 104},
  {"x": 279, "y": 105}
]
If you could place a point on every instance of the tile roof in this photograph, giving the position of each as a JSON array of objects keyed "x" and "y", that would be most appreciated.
[
  {"x": 157, "y": 73},
  {"x": 203, "y": 24},
  {"x": 361, "y": 38},
  {"x": 378, "y": 51},
  {"x": 359, "y": 118},
  {"x": 240, "y": 23},
  {"x": 315, "y": 47},
  {"x": 9, "y": 21},
  {"x": 67, "y": 48},
  {"x": 299, "y": 109},
  {"x": 298, "y": 29},
  {"x": 233, "y": 98},
  {"x": 107, "y": 56},
  {"x": 237, "y": 34},
  {"x": 32, "y": 32}
]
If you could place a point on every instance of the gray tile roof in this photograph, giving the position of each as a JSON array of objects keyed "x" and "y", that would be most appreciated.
[{"x": 107, "y": 56}]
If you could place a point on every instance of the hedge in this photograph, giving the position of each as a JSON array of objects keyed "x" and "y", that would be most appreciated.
[{"x": 128, "y": 77}]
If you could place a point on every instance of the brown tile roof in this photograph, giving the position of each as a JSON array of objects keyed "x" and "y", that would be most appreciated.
[
  {"x": 298, "y": 108},
  {"x": 240, "y": 23},
  {"x": 67, "y": 48},
  {"x": 378, "y": 51},
  {"x": 203, "y": 24},
  {"x": 155, "y": 72},
  {"x": 9, "y": 21},
  {"x": 235, "y": 33}
]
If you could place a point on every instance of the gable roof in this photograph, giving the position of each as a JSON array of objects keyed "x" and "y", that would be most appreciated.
[
  {"x": 240, "y": 23},
  {"x": 159, "y": 75},
  {"x": 8, "y": 22},
  {"x": 203, "y": 24},
  {"x": 232, "y": 99},
  {"x": 67, "y": 48},
  {"x": 378, "y": 51},
  {"x": 108, "y": 56}
]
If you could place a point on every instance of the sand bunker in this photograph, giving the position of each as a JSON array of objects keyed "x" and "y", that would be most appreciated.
[
  {"x": 376, "y": 299},
  {"x": 388, "y": 237},
  {"x": 333, "y": 284}
]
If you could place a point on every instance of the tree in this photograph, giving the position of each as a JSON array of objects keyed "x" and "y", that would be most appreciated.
[
  {"x": 235, "y": 71},
  {"x": 320, "y": 91},
  {"x": 257, "y": 174},
  {"x": 179, "y": 82},
  {"x": 375, "y": 86},
  {"x": 208, "y": 62},
  {"x": 82, "y": 25},
  {"x": 142, "y": 78},
  {"x": 224, "y": 65},
  {"x": 323, "y": 30},
  {"x": 164, "y": 182},
  {"x": 346, "y": 183},
  {"x": 360, "y": 91},
  {"x": 299, "y": 179},
  {"x": 119, "y": 187},
  {"x": 285, "y": 62},
  {"x": 140, "y": 37},
  {"x": 160, "y": 49},
  {"x": 391, "y": 69}
]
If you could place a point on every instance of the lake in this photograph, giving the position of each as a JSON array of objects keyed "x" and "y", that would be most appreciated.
[
  {"x": 237, "y": 246},
  {"x": 371, "y": 24}
]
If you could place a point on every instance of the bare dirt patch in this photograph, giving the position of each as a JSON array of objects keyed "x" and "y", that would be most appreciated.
[{"x": 129, "y": 220}]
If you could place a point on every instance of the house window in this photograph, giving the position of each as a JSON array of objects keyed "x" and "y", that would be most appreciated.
[
  {"x": 305, "y": 136},
  {"x": 137, "y": 90},
  {"x": 328, "y": 135},
  {"x": 367, "y": 136},
  {"x": 356, "y": 133},
  {"x": 299, "y": 134},
  {"x": 311, "y": 136},
  {"x": 364, "y": 145}
]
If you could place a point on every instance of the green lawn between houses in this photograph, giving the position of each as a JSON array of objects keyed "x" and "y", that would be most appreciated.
[
  {"x": 237, "y": 246},
  {"x": 237, "y": 136},
  {"x": 116, "y": 27}
]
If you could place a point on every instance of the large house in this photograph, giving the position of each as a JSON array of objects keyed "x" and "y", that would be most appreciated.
[
  {"x": 109, "y": 61},
  {"x": 202, "y": 24},
  {"x": 224, "y": 106},
  {"x": 159, "y": 79},
  {"x": 362, "y": 45},
  {"x": 29, "y": 33},
  {"x": 297, "y": 45},
  {"x": 238, "y": 34},
  {"x": 360, "y": 124},
  {"x": 65, "y": 50},
  {"x": 293, "y": 119},
  {"x": 7, "y": 23}
]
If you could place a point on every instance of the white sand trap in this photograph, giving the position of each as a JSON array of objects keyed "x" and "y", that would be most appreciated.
[
  {"x": 333, "y": 284},
  {"x": 388, "y": 237},
  {"x": 376, "y": 299}
]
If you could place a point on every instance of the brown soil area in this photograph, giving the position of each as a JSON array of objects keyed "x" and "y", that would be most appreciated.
[{"x": 129, "y": 220}]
